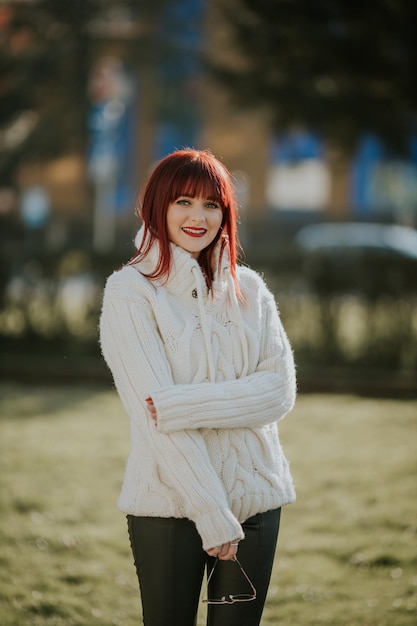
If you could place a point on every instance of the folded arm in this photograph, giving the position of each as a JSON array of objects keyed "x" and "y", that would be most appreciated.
[
  {"x": 135, "y": 354},
  {"x": 261, "y": 398}
]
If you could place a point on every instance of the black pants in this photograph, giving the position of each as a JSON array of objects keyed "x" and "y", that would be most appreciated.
[{"x": 170, "y": 564}]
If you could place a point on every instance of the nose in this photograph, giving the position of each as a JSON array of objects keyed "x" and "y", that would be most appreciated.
[{"x": 197, "y": 211}]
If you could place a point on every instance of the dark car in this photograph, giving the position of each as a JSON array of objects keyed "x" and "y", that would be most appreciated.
[{"x": 359, "y": 257}]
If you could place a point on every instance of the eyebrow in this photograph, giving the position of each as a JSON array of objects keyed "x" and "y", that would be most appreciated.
[{"x": 210, "y": 198}]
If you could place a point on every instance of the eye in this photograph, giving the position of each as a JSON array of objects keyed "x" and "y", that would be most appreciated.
[
  {"x": 213, "y": 205},
  {"x": 183, "y": 201}
]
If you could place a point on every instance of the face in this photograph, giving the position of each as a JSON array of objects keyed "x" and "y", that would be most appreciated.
[{"x": 193, "y": 223}]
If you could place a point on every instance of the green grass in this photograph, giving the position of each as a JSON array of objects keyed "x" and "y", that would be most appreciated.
[{"x": 347, "y": 553}]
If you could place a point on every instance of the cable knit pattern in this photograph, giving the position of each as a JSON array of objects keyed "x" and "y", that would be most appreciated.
[{"x": 220, "y": 373}]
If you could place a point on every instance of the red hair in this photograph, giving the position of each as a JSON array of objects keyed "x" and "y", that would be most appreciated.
[{"x": 193, "y": 173}]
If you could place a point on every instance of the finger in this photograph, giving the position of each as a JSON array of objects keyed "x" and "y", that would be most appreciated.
[
  {"x": 214, "y": 552},
  {"x": 229, "y": 551},
  {"x": 151, "y": 408},
  {"x": 152, "y": 411}
]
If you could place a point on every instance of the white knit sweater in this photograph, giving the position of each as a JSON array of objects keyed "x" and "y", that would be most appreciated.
[{"x": 220, "y": 373}]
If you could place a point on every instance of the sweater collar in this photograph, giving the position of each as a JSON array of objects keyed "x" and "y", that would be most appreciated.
[
  {"x": 185, "y": 270},
  {"x": 186, "y": 278}
]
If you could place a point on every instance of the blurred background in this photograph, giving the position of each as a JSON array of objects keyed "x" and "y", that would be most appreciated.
[{"x": 312, "y": 106}]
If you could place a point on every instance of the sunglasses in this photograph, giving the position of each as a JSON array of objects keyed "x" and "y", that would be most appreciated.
[{"x": 232, "y": 598}]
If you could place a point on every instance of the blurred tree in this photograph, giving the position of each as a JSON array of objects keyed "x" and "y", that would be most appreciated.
[
  {"x": 44, "y": 57},
  {"x": 46, "y": 51},
  {"x": 336, "y": 66}
]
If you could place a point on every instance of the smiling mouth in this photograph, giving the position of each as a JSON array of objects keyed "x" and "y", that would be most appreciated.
[{"x": 195, "y": 232}]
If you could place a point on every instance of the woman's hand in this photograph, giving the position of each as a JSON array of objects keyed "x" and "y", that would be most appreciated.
[
  {"x": 226, "y": 552},
  {"x": 151, "y": 410}
]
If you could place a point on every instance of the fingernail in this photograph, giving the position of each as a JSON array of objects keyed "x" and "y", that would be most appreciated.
[{"x": 148, "y": 399}]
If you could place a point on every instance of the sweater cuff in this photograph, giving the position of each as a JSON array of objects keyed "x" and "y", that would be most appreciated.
[{"x": 218, "y": 527}]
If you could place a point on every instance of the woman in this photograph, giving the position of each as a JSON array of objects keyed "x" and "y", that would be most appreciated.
[{"x": 204, "y": 370}]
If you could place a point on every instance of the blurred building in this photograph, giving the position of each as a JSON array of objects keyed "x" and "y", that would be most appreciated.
[{"x": 141, "y": 110}]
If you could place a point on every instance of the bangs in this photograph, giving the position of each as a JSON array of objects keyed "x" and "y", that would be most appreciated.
[{"x": 196, "y": 179}]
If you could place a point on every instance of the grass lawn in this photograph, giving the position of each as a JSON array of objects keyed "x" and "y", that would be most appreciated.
[{"x": 347, "y": 553}]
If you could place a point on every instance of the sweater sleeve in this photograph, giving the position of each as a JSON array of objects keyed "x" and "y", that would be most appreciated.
[
  {"x": 261, "y": 398},
  {"x": 134, "y": 352}
]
